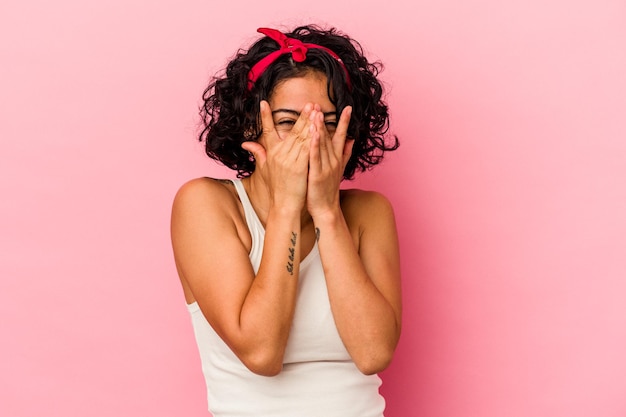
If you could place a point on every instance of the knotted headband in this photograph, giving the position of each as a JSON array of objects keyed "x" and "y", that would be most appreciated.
[{"x": 288, "y": 45}]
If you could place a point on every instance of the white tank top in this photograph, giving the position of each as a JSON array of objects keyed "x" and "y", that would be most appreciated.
[{"x": 318, "y": 378}]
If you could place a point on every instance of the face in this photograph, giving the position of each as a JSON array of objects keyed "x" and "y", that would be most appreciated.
[{"x": 290, "y": 96}]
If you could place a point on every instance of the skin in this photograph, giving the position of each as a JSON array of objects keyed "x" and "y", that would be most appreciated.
[{"x": 300, "y": 158}]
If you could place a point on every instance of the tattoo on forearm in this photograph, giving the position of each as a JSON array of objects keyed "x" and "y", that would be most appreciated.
[
  {"x": 317, "y": 234},
  {"x": 292, "y": 253}
]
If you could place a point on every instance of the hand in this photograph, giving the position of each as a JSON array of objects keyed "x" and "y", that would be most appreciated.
[
  {"x": 327, "y": 162},
  {"x": 283, "y": 162}
]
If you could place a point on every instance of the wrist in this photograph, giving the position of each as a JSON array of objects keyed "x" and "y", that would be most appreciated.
[
  {"x": 328, "y": 216},
  {"x": 285, "y": 210}
]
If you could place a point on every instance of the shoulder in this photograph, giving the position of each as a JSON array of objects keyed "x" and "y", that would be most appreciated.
[
  {"x": 362, "y": 203},
  {"x": 205, "y": 197},
  {"x": 202, "y": 188},
  {"x": 369, "y": 214},
  {"x": 204, "y": 191}
]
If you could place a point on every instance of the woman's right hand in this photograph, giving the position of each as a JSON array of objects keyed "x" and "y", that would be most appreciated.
[{"x": 282, "y": 155}]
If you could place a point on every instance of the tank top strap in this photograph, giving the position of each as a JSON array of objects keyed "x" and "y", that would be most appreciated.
[{"x": 254, "y": 223}]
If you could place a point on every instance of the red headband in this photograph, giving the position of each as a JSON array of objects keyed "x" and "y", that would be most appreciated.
[{"x": 292, "y": 46}]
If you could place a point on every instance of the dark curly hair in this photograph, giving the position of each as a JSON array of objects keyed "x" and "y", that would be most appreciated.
[{"x": 230, "y": 109}]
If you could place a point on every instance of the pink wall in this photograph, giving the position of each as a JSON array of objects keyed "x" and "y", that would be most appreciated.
[{"x": 509, "y": 188}]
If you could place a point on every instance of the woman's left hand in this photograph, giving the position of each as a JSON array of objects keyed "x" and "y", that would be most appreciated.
[{"x": 327, "y": 160}]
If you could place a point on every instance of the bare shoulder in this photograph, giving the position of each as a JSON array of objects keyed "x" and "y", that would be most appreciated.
[
  {"x": 206, "y": 218},
  {"x": 369, "y": 216},
  {"x": 365, "y": 206},
  {"x": 205, "y": 203},
  {"x": 203, "y": 191}
]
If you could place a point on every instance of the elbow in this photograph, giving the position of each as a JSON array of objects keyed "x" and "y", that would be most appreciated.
[
  {"x": 264, "y": 369},
  {"x": 375, "y": 362},
  {"x": 263, "y": 363},
  {"x": 373, "y": 367}
]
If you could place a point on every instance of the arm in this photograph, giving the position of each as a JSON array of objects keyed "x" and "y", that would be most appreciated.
[
  {"x": 364, "y": 285},
  {"x": 252, "y": 314},
  {"x": 363, "y": 281}
]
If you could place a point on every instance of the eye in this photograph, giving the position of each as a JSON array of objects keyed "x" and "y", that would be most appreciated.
[
  {"x": 331, "y": 124},
  {"x": 285, "y": 123}
]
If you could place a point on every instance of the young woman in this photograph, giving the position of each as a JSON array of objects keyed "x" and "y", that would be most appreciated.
[{"x": 293, "y": 285}]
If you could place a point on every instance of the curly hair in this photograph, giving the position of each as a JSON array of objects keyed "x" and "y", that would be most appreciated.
[{"x": 230, "y": 109}]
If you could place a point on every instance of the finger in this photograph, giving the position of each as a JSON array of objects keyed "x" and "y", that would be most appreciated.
[
  {"x": 267, "y": 123},
  {"x": 301, "y": 153},
  {"x": 324, "y": 145},
  {"x": 300, "y": 128},
  {"x": 315, "y": 163},
  {"x": 257, "y": 150},
  {"x": 339, "y": 138},
  {"x": 347, "y": 152}
]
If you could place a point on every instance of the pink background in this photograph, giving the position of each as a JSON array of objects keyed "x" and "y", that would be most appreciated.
[{"x": 509, "y": 188}]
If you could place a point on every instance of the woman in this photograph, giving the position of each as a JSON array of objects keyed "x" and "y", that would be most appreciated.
[{"x": 293, "y": 285}]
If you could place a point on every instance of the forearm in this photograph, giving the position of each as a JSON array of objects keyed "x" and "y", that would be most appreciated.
[
  {"x": 365, "y": 319},
  {"x": 267, "y": 310}
]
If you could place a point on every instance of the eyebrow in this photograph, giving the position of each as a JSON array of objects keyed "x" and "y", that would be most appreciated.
[{"x": 297, "y": 113}]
